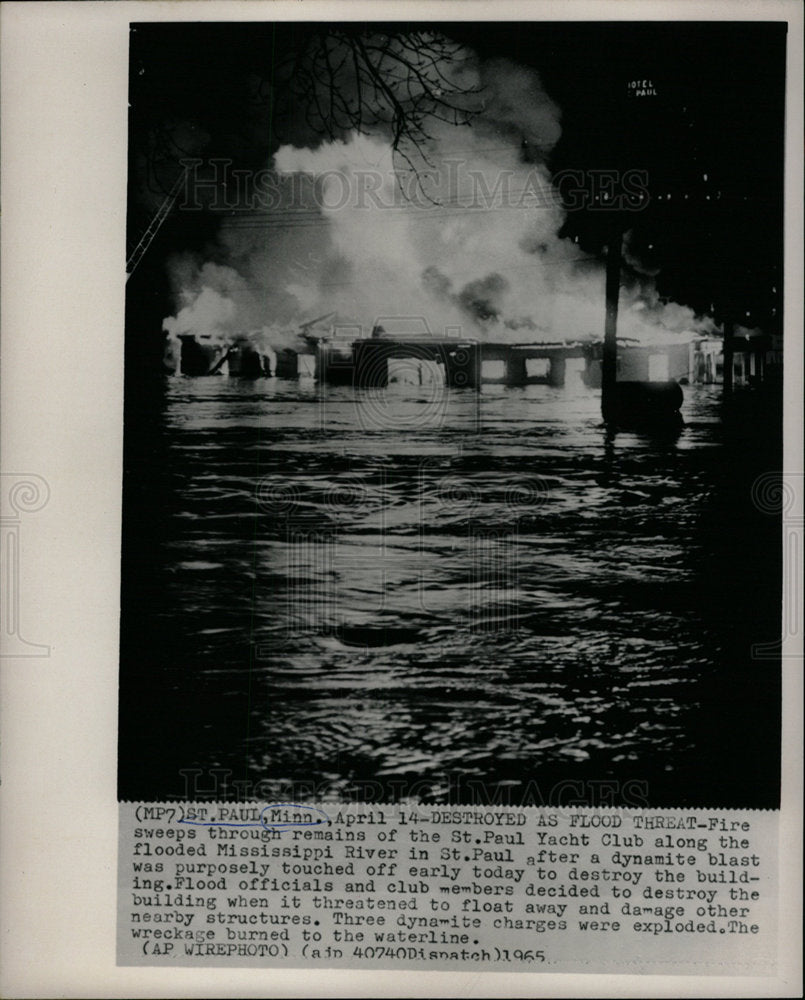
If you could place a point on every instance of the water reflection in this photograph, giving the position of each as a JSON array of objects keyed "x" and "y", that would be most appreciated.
[{"x": 349, "y": 586}]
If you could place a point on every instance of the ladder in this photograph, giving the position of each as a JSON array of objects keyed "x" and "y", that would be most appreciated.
[{"x": 148, "y": 236}]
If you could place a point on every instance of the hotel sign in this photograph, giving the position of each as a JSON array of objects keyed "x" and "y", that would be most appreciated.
[{"x": 641, "y": 88}]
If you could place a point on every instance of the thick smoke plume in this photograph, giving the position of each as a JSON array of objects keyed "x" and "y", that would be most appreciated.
[{"x": 472, "y": 244}]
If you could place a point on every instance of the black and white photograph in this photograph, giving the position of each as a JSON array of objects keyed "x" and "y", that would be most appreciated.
[
  {"x": 453, "y": 413},
  {"x": 401, "y": 498}
]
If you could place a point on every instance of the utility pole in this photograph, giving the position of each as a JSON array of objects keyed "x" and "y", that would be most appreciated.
[{"x": 609, "y": 360}]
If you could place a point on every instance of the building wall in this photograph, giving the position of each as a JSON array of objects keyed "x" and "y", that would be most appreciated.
[{"x": 669, "y": 362}]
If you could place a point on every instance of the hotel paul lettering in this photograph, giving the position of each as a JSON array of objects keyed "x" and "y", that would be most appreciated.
[{"x": 641, "y": 88}]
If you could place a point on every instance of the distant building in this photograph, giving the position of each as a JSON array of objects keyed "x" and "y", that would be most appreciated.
[
  {"x": 645, "y": 363},
  {"x": 756, "y": 357}
]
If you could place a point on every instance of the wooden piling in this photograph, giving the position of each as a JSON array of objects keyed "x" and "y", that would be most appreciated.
[
  {"x": 609, "y": 360},
  {"x": 728, "y": 355}
]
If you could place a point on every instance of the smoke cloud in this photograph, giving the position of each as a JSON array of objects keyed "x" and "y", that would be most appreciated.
[{"x": 474, "y": 243}]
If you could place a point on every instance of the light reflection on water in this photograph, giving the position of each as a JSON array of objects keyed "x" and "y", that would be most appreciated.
[{"x": 359, "y": 585}]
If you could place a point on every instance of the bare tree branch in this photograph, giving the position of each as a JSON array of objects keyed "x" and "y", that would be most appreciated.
[
  {"x": 348, "y": 79},
  {"x": 358, "y": 81}
]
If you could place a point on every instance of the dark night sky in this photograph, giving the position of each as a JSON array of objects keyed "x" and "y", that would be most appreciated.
[{"x": 719, "y": 111}]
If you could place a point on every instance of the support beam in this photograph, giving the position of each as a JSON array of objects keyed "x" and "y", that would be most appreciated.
[
  {"x": 729, "y": 330},
  {"x": 609, "y": 360}
]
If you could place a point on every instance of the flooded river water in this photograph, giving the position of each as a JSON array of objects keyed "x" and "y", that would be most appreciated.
[{"x": 443, "y": 595}]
